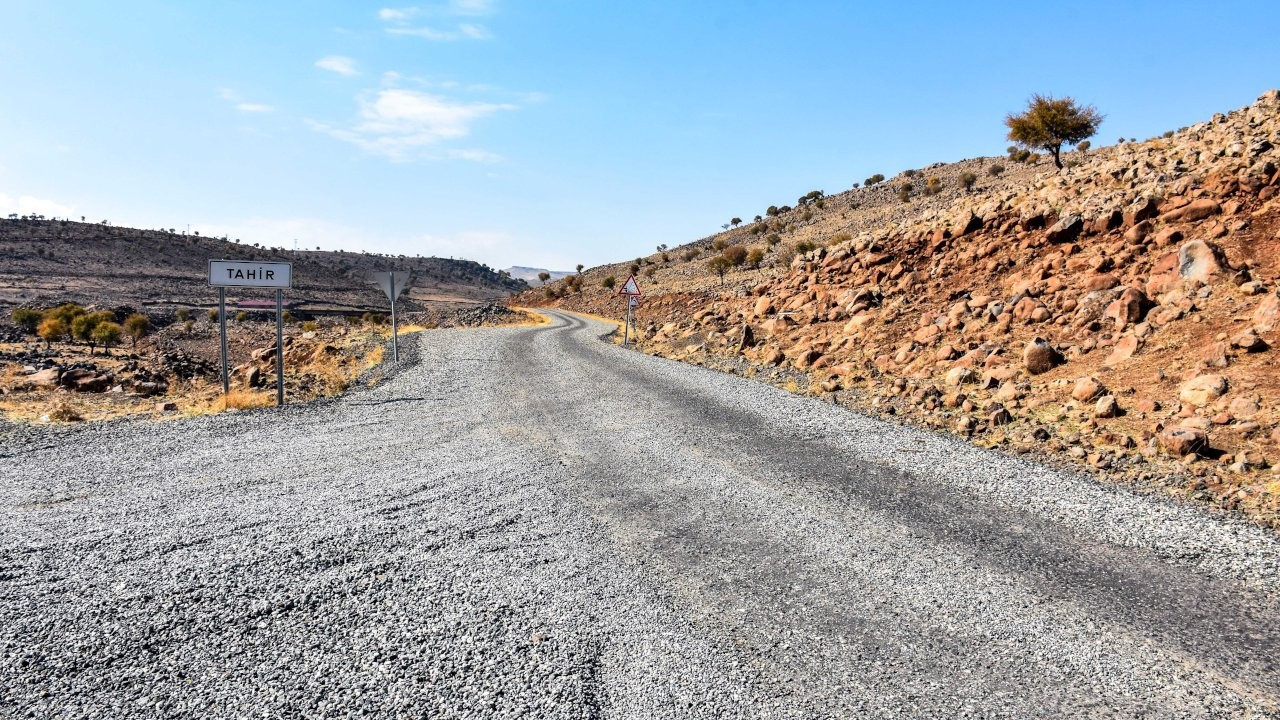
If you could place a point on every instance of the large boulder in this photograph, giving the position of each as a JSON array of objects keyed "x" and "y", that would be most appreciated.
[
  {"x": 1267, "y": 317},
  {"x": 46, "y": 378},
  {"x": 1179, "y": 441},
  {"x": 1067, "y": 228},
  {"x": 1192, "y": 211},
  {"x": 1198, "y": 261},
  {"x": 1203, "y": 389},
  {"x": 1039, "y": 356},
  {"x": 1086, "y": 389},
  {"x": 1129, "y": 308}
]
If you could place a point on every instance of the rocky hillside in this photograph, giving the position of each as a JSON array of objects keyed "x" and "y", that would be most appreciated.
[
  {"x": 53, "y": 261},
  {"x": 1120, "y": 313}
]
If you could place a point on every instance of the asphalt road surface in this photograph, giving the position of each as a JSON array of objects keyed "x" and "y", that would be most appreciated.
[{"x": 529, "y": 522}]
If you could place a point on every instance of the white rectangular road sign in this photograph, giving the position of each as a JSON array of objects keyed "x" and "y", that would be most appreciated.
[
  {"x": 392, "y": 283},
  {"x": 242, "y": 273}
]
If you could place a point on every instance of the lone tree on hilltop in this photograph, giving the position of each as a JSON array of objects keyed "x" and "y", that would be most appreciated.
[
  {"x": 1048, "y": 123},
  {"x": 543, "y": 277}
]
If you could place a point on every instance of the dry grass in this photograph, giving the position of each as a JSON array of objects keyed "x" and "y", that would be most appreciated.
[{"x": 238, "y": 399}]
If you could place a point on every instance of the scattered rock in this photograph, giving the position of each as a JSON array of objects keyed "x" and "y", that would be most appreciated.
[
  {"x": 1106, "y": 407},
  {"x": 1202, "y": 390},
  {"x": 1197, "y": 260},
  {"x": 1086, "y": 389},
  {"x": 1180, "y": 441}
]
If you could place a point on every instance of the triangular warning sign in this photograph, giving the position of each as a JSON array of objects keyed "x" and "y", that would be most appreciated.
[{"x": 630, "y": 287}]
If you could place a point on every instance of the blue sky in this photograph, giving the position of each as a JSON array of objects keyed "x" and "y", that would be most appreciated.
[{"x": 553, "y": 132}]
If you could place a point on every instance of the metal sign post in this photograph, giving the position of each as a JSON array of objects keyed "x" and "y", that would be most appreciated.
[
  {"x": 393, "y": 283},
  {"x": 631, "y": 289},
  {"x": 239, "y": 273},
  {"x": 279, "y": 348},
  {"x": 222, "y": 327}
]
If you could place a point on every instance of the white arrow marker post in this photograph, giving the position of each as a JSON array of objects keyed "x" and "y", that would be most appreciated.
[
  {"x": 630, "y": 289},
  {"x": 393, "y": 283},
  {"x": 238, "y": 273}
]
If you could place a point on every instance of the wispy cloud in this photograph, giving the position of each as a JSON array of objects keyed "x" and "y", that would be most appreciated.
[
  {"x": 404, "y": 125},
  {"x": 244, "y": 106},
  {"x": 400, "y": 21},
  {"x": 338, "y": 64},
  {"x": 28, "y": 205}
]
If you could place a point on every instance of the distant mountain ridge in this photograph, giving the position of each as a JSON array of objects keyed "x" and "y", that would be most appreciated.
[
  {"x": 530, "y": 275},
  {"x": 52, "y": 261}
]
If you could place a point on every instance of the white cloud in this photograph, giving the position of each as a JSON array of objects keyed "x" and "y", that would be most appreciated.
[
  {"x": 338, "y": 64},
  {"x": 399, "y": 19},
  {"x": 239, "y": 103},
  {"x": 465, "y": 31},
  {"x": 28, "y": 205},
  {"x": 404, "y": 125},
  {"x": 397, "y": 14}
]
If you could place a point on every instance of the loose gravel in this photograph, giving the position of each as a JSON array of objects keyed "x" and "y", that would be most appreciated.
[{"x": 528, "y": 522}]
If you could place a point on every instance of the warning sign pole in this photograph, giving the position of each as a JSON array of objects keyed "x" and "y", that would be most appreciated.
[{"x": 631, "y": 290}]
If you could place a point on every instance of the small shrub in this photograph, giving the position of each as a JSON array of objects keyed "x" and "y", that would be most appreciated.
[
  {"x": 309, "y": 326},
  {"x": 967, "y": 181},
  {"x": 635, "y": 268},
  {"x": 933, "y": 186},
  {"x": 242, "y": 316},
  {"x": 909, "y": 173},
  {"x": 53, "y": 329},
  {"x": 137, "y": 326},
  {"x": 609, "y": 282},
  {"x": 213, "y": 316},
  {"x": 904, "y": 193},
  {"x": 874, "y": 180},
  {"x": 843, "y": 237},
  {"x": 773, "y": 239},
  {"x": 735, "y": 254},
  {"x": 719, "y": 265},
  {"x": 995, "y": 170},
  {"x": 107, "y": 334},
  {"x": 719, "y": 244},
  {"x": 373, "y": 318},
  {"x": 650, "y": 272},
  {"x": 184, "y": 314},
  {"x": 1084, "y": 146},
  {"x": 66, "y": 312},
  {"x": 1167, "y": 134},
  {"x": 755, "y": 257},
  {"x": 64, "y": 411},
  {"x": 804, "y": 246},
  {"x": 691, "y": 255},
  {"x": 27, "y": 318},
  {"x": 287, "y": 316}
]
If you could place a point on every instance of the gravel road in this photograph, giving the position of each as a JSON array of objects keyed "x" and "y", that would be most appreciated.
[{"x": 529, "y": 522}]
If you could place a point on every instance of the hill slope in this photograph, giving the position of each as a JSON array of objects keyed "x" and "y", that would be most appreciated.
[
  {"x": 53, "y": 261},
  {"x": 1120, "y": 313}
]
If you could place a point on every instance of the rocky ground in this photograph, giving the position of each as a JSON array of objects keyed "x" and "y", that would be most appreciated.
[
  {"x": 1120, "y": 314},
  {"x": 528, "y": 522}
]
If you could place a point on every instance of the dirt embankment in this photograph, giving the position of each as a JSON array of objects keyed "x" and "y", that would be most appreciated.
[{"x": 1121, "y": 314}]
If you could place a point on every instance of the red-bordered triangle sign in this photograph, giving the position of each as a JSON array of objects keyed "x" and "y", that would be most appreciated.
[{"x": 630, "y": 287}]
